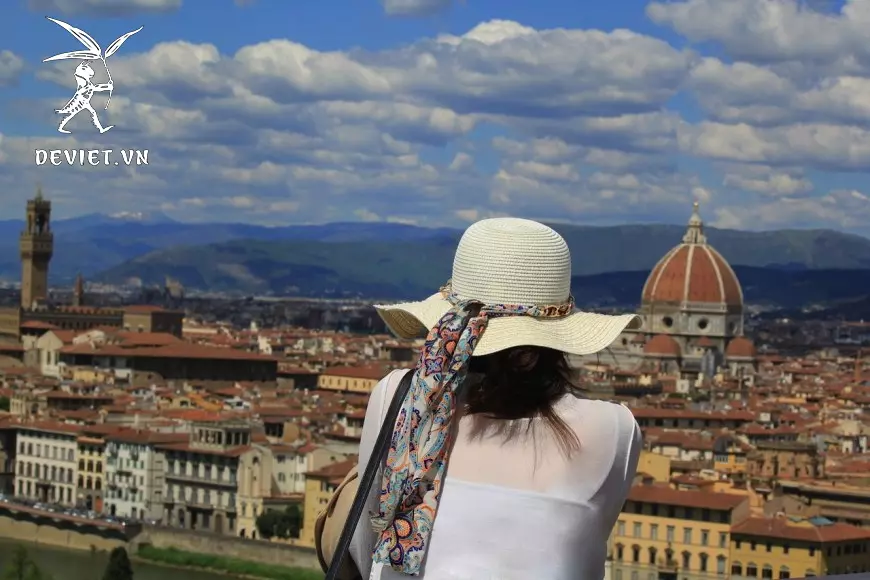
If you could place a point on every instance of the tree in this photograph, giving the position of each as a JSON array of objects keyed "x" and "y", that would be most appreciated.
[
  {"x": 293, "y": 520},
  {"x": 274, "y": 524},
  {"x": 118, "y": 566},
  {"x": 268, "y": 523},
  {"x": 4, "y": 404},
  {"x": 21, "y": 567}
]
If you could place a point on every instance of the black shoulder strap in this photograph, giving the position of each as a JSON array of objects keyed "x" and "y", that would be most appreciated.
[{"x": 373, "y": 468}]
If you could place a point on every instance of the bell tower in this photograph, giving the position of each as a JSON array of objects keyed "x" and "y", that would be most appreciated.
[{"x": 36, "y": 245}]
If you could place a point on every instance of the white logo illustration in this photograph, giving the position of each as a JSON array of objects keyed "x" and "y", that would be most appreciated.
[{"x": 85, "y": 89}]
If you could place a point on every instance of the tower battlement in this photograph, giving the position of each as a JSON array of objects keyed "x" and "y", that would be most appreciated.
[{"x": 36, "y": 246}]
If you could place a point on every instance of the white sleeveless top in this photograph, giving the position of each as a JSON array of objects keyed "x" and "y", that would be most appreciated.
[{"x": 513, "y": 506}]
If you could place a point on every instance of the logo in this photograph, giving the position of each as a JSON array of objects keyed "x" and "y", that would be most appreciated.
[{"x": 85, "y": 89}]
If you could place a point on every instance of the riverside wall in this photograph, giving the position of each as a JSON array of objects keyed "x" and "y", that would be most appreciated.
[
  {"x": 227, "y": 546},
  {"x": 40, "y": 527},
  {"x": 57, "y": 534}
]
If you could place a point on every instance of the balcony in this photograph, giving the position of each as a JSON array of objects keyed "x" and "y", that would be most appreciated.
[
  {"x": 667, "y": 565},
  {"x": 202, "y": 480}
]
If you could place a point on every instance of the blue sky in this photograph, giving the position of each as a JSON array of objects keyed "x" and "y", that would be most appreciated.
[{"x": 439, "y": 112}]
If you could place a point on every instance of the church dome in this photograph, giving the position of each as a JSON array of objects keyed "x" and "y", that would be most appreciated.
[
  {"x": 662, "y": 345},
  {"x": 693, "y": 272},
  {"x": 740, "y": 347}
]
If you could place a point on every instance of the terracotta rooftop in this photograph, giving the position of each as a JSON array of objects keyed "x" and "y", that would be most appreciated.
[
  {"x": 662, "y": 495},
  {"x": 785, "y": 529}
]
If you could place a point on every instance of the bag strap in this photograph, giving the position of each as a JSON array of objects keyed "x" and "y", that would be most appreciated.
[{"x": 373, "y": 467}]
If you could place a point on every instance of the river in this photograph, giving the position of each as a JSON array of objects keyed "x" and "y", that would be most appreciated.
[{"x": 64, "y": 564}]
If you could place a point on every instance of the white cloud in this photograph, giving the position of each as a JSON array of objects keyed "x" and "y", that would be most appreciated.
[
  {"x": 848, "y": 209},
  {"x": 104, "y": 7},
  {"x": 11, "y": 66},
  {"x": 774, "y": 184},
  {"x": 585, "y": 123},
  {"x": 765, "y": 31},
  {"x": 415, "y": 7}
]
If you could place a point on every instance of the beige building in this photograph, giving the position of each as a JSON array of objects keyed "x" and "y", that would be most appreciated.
[
  {"x": 319, "y": 487},
  {"x": 46, "y": 462},
  {"x": 274, "y": 476},
  {"x": 90, "y": 457},
  {"x": 351, "y": 379},
  {"x": 202, "y": 477},
  {"x": 665, "y": 534}
]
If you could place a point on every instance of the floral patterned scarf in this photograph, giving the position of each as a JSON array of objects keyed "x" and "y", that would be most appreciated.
[{"x": 421, "y": 443}]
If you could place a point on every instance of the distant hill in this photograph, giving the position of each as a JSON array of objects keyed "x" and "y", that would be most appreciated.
[
  {"x": 91, "y": 244},
  {"x": 374, "y": 269},
  {"x": 788, "y": 289},
  {"x": 115, "y": 247}
]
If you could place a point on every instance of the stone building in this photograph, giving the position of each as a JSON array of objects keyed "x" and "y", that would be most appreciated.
[
  {"x": 778, "y": 460},
  {"x": 90, "y": 457},
  {"x": 202, "y": 476},
  {"x": 37, "y": 313},
  {"x": 273, "y": 476},
  {"x": 36, "y": 244},
  {"x": 691, "y": 314},
  {"x": 7, "y": 457},
  {"x": 668, "y": 534},
  {"x": 136, "y": 472},
  {"x": 46, "y": 462}
]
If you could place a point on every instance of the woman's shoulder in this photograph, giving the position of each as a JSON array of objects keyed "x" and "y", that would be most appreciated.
[
  {"x": 596, "y": 416},
  {"x": 576, "y": 408}
]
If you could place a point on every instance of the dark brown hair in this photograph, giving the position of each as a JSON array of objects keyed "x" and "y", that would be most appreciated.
[{"x": 521, "y": 383}]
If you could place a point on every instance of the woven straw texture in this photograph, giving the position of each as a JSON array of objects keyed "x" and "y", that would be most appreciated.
[{"x": 512, "y": 261}]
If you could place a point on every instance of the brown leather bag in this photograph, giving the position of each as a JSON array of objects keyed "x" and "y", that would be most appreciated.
[
  {"x": 330, "y": 523},
  {"x": 335, "y": 526}
]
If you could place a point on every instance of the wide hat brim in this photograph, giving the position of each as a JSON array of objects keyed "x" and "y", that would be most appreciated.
[{"x": 580, "y": 333}]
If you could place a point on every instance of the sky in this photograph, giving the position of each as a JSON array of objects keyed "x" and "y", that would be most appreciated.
[{"x": 442, "y": 112}]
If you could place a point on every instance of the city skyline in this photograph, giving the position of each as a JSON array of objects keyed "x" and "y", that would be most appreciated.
[{"x": 435, "y": 113}]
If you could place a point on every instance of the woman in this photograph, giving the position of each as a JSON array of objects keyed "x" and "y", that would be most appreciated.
[{"x": 537, "y": 475}]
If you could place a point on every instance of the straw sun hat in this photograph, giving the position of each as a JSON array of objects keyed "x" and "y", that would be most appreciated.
[{"x": 519, "y": 262}]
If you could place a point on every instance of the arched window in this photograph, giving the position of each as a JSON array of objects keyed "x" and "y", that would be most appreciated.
[
  {"x": 89, "y": 483},
  {"x": 81, "y": 480},
  {"x": 635, "y": 554},
  {"x": 687, "y": 561},
  {"x": 810, "y": 573},
  {"x": 703, "y": 561},
  {"x": 98, "y": 484},
  {"x": 652, "y": 556},
  {"x": 767, "y": 572},
  {"x": 784, "y": 572},
  {"x": 99, "y": 467},
  {"x": 81, "y": 464},
  {"x": 752, "y": 570},
  {"x": 721, "y": 563},
  {"x": 620, "y": 552}
]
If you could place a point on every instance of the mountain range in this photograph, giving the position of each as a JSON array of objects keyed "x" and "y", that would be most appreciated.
[{"x": 393, "y": 261}]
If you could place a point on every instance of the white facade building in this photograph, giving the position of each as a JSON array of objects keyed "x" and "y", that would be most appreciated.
[
  {"x": 46, "y": 463},
  {"x": 135, "y": 472}
]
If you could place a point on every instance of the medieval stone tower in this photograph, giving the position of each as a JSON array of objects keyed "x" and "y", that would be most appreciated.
[{"x": 37, "y": 246}]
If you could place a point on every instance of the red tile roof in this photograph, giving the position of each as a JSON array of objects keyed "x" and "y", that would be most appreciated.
[
  {"x": 782, "y": 528},
  {"x": 662, "y": 495}
]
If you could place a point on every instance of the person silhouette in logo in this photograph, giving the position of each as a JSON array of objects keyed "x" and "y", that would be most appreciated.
[{"x": 82, "y": 99}]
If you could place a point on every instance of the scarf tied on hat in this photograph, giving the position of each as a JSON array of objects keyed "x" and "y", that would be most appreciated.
[{"x": 422, "y": 437}]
